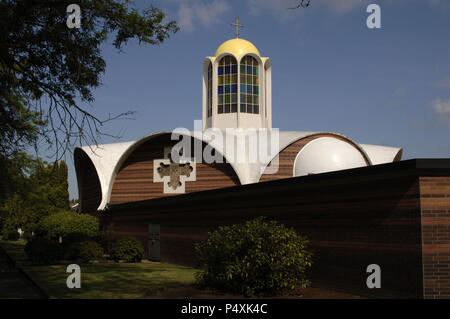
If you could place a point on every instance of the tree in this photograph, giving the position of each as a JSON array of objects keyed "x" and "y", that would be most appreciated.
[
  {"x": 58, "y": 186},
  {"x": 49, "y": 191},
  {"x": 302, "y": 4},
  {"x": 14, "y": 173},
  {"x": 35, "y": 190},
  {"x": 48, "y": 71},
  {"x": 68, "y": 224}
]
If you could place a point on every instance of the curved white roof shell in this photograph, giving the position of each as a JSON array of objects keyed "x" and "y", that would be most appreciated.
[
  {"x": 108, "y": 158},
  {"x": 382, "y": 154},
  {"x": 104, "y": 157},
  {"x": 326, "y": 154}
]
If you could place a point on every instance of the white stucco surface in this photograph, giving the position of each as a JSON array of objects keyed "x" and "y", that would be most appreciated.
[
  {"x": 323, "y": 155},
  {"x": 326, "y": 154},
  {"x": 381, "y": 154}
]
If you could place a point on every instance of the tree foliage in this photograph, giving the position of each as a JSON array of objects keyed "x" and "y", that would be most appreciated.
[
  {"x": 42, "y": 250},
  {"x": 256, "y": 257},
  {"x": 302, "y": 4},
  {"x": 32, "y": 190},
  {"x": 68, "y": 224},
  {"x": 14, "y": 172},
  {"x": 48, "y": 71},
  {"x": 9, "y": 231}
]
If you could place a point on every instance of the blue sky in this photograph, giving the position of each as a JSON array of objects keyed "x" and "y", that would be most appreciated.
[{"x": 389, "y": 86}]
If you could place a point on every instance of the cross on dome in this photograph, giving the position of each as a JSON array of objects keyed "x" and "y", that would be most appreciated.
[{"x": 237, "y": 25}]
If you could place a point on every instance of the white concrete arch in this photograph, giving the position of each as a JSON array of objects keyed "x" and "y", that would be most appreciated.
[
  {"x": 253, "y": 55},
  {"x": 78, "y": 156},
  {"x": 220, "y": 57},
  {"x": 327, "y": 154},
  {"x": 289, "y": 137},
  {"x": 206, "y": 121},
  {"x": 383, "y": 154},
  {"x": 131, "y": 148},
  {"x": 104, "y": 158},
  {"x": 268, "y": 91},
  {"x": 109, "y": 158}
]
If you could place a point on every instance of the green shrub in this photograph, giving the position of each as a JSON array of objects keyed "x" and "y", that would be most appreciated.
[
  {"x": 43, "y": 250},
  {"x": 256, "y": 257},
  {"x": 127, "y": 249},
  {"x": 85, "y": 251},
  {"x": 70, "y": 226},
  {"x": 27, "y": 236},
  {"x": 9, "y": 232},
  {"x": 106, "y": 241}
]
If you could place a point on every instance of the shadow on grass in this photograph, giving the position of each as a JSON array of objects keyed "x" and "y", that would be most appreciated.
[
  {"x": 105, "y": 279},
  {"x": 110, "y": 280}
]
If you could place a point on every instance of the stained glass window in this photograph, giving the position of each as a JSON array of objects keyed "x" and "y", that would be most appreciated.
[
  {"x": 249, "y": 85},
  {"x": 209, "y": 90},
  {"x": 227, "y": 85}
]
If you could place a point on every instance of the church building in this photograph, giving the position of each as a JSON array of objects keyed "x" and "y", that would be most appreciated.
[
  {"x": 358, "y": 204},
  {"x": 237, "y": 97}
]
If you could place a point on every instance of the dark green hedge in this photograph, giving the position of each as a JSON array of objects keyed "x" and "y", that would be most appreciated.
[
  {"x": 127, "y": 249},
  {"x": 256, "y": 257},
  {"x": 43, "y": 250},
  {"x": 69, "y": 225},
  {"x": 85, "y": 251},
  {"x": 10, "y": 234}
]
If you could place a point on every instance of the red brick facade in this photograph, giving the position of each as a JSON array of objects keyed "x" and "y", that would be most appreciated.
[
  {"x": 394, "y": 215},
  {"x": 435, "y": 205}
]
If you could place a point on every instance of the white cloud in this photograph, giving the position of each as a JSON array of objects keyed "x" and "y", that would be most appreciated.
[
  {"x": 280, "y": 8},
  {"x": 204, "y": 13},
  {"x": 185, "y": 17},
  {"x": 445, "y": 83},
  {"x": 342, "y": 6},
  {"x": 440, "y": 4},
  {"x": 195, "y": 13},
  {"x": 442, "y": 108}
]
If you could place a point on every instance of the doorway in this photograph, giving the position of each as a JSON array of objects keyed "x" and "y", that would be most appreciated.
[{"x": 154, "y": 252}]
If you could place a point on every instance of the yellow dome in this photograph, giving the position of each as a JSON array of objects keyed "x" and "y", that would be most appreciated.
[{"x": 238, "y": 47}]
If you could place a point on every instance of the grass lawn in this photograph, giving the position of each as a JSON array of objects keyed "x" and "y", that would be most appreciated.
[
  {"x": 106, "y": 279},
  {"x": 111, "y": 280},
  {"x": 139, "y": 280}
]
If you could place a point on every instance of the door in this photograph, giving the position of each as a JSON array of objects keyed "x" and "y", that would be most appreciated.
[{"x": 153, "y": 242}]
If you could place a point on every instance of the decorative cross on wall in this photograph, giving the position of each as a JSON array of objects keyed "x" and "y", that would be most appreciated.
[
  {"x": 174, "y": 171},
  {"x": 173, "y": 175}
]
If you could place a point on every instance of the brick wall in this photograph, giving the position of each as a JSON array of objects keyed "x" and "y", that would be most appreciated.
[
  {"x": 393, "y": 215},
  {"x": 435, "y": 205}
]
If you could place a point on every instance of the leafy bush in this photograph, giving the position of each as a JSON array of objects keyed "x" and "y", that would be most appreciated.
[
  {"x": 127, "y": 249},
  {"x": 86, "y": 251},
  {"x": 10, "y": 234},
  {"x": 69, "y": 225},
  {"x": 27, "y": 236},
  {"x": 106, "y": 241},
  {"x": 9, "y": 230},
  {"x": 43, "y": 250},
  {"x": 256, "y": 257}
]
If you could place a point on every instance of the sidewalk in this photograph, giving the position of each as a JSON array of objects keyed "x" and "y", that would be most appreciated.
[{"x": 13, "y": 284}]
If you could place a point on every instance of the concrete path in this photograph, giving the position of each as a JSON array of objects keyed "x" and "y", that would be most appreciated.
[{"x": 13, "y": 284}]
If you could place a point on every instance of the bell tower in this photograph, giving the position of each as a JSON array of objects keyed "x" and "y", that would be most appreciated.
[{"x": 237, "y": 86}]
